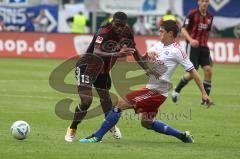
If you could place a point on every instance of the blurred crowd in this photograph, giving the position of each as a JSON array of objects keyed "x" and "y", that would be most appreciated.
[
  {"x": 35, "y": 23},
  {"x": 80, "y": 23}
]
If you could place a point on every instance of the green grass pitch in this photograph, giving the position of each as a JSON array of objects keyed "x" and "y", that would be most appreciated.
[{"x": 25, "y": 94}]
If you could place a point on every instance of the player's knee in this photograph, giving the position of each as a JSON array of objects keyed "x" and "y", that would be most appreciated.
[
  {"x": 86, "y": 101},
  {"x": 146, "y": 124},
  {"x": 106, "y": 105},
  {"x": 208, "y": 70},
  {"x": 86, "y": 104},
  {"x": 105, "y": 101}
]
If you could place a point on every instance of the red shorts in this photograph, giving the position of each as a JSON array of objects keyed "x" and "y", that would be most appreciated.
[{"x": 146, "y": 101}]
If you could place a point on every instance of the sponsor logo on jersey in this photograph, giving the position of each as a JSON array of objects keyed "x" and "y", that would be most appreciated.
[
  {"x": 166, "y": 52},
  {"x": 99, "y": 40},
  {"x": 202, "y": 26}
]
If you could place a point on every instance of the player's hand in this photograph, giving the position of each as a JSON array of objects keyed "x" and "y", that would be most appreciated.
[
  {"x": 125, "y": 51},
  {"x": 152, "y": 55},
  {"x": 207, "y": 99},
  {"x": 194, "y": 43}
]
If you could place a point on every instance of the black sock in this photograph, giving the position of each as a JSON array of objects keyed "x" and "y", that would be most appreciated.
[
  {"x": 181, "y": 84},
  {"x": 207, "y": 86},
  {"x": 80, "y": 113}
]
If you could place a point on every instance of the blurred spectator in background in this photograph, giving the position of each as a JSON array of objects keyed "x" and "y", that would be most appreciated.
[
  {"x": 169, "y": 16},
  {"x": 78, "y": 23},
  {"x": 108, "y": 19},
  {"x": 44, "y": 2},
  {"x": 2, "y": 26},
  {"x": 140, "y": 27},
  {"x": 41, "y": 22},
  {"x": 149, "y": 5},
  {"x": 29, "y": 27}
]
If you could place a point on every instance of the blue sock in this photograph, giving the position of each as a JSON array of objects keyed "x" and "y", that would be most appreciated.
[
  {"x": 111, "y": 120},
  {"x": 165, "y": 129}
]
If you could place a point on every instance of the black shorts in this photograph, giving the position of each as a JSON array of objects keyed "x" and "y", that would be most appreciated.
[
  {"x": 199, "y": 56},
  {"x": 89, "y": 78}
]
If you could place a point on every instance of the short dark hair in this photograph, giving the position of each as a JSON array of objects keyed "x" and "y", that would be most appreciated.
[
  {"x": 170, "y": 25},
  {"x": 120, "y": 16}
]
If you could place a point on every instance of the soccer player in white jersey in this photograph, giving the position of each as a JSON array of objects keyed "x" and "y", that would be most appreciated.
[{"x": 165, "y": 56}]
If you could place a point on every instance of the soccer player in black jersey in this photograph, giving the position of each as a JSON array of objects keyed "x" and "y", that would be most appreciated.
[
  {"x": 196, "y": 28},
  {"x": 110, "y": 41}
]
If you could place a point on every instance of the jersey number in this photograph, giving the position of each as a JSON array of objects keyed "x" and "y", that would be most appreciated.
[{"x": 84, "y": 79}]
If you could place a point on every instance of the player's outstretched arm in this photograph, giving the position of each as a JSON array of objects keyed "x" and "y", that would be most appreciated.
[
  {"x": 198, "y": 81},
  {"x": 142, "y": 61},
  {"x": 121, "y": 53}
]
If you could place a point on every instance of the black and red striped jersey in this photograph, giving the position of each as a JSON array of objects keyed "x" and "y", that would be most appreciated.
[
  {"x": 107, "y": 40},
  {"x": 198, "y": 26}
]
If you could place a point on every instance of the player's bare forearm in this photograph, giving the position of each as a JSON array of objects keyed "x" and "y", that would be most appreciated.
[
  {"x": 198, "y": 80},
  {"x": 141, "y": 60},
  {"x": 186, "y": 34},
  {"x": 193, "y": 42},
  {"x": 123, "y": 52},
  {"x": 102, "y": 53}
]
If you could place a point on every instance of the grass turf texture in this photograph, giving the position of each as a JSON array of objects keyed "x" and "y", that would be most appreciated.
[{"x": 26, "y": 95}]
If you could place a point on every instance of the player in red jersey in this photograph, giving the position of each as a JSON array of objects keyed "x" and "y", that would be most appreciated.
[
  {"x": 196, "y": 28},
  {"x": 111, "y": 41},
  {"x": 165, "y": 56}
]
